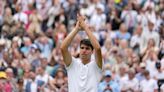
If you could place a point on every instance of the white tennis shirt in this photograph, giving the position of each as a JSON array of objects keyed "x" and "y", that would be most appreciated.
[{"x": 83, "y": 78}]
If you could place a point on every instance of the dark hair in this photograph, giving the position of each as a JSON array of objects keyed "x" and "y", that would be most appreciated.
[
  {"x": 158, "y": 65},
  {"x": 146, "y": 73},
  {"x": 86, "y": 42}
]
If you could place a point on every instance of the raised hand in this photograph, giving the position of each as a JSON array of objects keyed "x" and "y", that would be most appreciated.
[
  {"x": 77, "y": 25},
  {"x": 81, "y": 20}
]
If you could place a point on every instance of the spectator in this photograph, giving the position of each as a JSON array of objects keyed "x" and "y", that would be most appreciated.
[
  {"x": 58, "y": 83},
  {"x": 129, "y": 16},
  {"x": 122, "y": 33},
  {"x": 107, "y": 84},
  {"x": 140, "y": 74},
  {"x": 159, "y": 76},
  {"x": 20, "y": 16},
  {"x": 149, "y": 32},
  {"x": 136, "y": 39},
  {"x": 132, "y": 84},
  {"x": 42, "y": 79},
  {"x": 98, "y": 18},
  {"x": 148, "y": 84},
  {"x": 150, "y": 45},
  {"x": 7, "y": 22},
  {"x": 54, "y": 12},
  {"x": 35, "y": 20},
  {"x": 4, "y": 85},
  {"x": 31, "y": 85},
  {"x": 45, "y": 44},
  {"x": 20, "y": 85},
  {"x": 12, "y": 78},
  {"x": 59, "y": 33},
  {"x": 26, "y": 48},
  {"x": 150, "y": 59}
]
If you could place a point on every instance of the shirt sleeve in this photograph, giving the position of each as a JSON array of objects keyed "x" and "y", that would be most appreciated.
[
  {"x": 155, "y": 84},
  {"x": 73, "y": 63}
]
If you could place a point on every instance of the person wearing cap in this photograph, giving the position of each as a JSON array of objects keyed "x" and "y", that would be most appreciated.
[
  {"x": 107, "y": 84},
  {"x": 3, "y": 75},
  {"x": 34, "y": 55},
  {"x": 84, "y": 73},
  {"x": 98, "y": 18},
  {"x": 12, "y": 80},
  {"x": 140, "y": 75},
  {"x": 5, "y": 86}
]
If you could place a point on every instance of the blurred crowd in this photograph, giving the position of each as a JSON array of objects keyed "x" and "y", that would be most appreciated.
[{"x": 130, "y": 32}]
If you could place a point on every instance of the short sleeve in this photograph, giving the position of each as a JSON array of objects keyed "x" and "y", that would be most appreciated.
[{"x": 73, "y": 63}]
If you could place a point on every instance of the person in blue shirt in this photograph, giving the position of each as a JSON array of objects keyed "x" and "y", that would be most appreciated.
[
  {"x": 107, "y": 84},
  {"x": 123, "y": 33}
]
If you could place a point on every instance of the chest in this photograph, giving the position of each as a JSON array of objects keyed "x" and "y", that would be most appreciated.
[{"x": 148, "y": 84}]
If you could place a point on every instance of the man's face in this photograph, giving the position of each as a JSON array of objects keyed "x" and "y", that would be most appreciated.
[
  {"x": 139, "y": 30},
  {"x": 85, "y": 52},
  {"x": 131, "y": 75},
  {"x": 151, "y": 26},
  {"x": 1, "y": 47},
  {"x": 40, "y": 70},
  {"x": 108, "y": 78},
  {"x": 32, "y": 75}
]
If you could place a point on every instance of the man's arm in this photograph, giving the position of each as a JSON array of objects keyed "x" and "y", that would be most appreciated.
[
  {"x": 94, "y": 42},
  {"x": 66, "y": 42}
]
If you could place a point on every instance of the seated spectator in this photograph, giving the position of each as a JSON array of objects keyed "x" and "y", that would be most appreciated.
[
  {"x": 26, "y": 48},
  {"x": 140, "y": 75},
  {"x": 35, "y": 23},
  {"x": 162, "y": 88},
  {"x": 122, "y": 33},
  {"x": 5, "y": 86},
  {"x": 149, "y": 32},
  {"x": 159, "y": 75},
  {"x": 148, "y": 84},
  {"x": 7, "y": 22},
  {"x": 42, "y": 78},
  {"x": 31, "y": 85},
  {"x": 59, "y": 83},
  {"x": 107, "y": 84},
  {"x": 132, "y": 83},
  {"x": 150, "y": 45},
  {"x": 45, "y": 44},
  {"x": 98, "y": 18},
  {"x": 136, "y": 38},
  {"x": 150, "y": 59},
  {"x": 20, "y": 85},
  {"x": 161, "y": 51},
  {"x": 20, "y": 16}
]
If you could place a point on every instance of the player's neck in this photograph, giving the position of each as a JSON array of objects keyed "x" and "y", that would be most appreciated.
[{"x": 85, "y": 61}]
